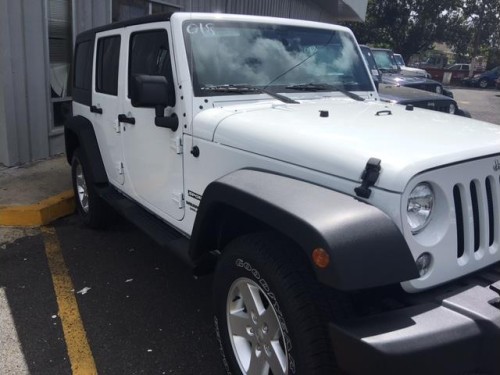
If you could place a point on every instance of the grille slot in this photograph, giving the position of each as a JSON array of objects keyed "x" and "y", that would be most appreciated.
[
  {"x": 491, "y": 216},
  {"x": 457, "y": 197},
  {"x": 475, "y": 214},
  {"x": 476, "y": 205}
]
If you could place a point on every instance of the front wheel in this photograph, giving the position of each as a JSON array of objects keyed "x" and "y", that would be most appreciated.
[
  {"x": 267, "y": 320},
  {"x": 483, "y": 83}
]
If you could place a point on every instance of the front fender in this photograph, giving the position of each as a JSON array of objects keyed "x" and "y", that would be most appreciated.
[{"x": 366, "y": 248}]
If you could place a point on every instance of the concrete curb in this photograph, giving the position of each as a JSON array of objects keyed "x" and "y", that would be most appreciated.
[{"x": 40, "y": 213}]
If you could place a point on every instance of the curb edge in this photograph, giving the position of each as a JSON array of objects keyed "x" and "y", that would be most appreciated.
[{"x": 40, "y": 213}]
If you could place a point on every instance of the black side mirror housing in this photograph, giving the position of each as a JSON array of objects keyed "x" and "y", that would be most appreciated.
[
  {"x": 149, "y": 91},
  {"x": 153, "y": 92}
]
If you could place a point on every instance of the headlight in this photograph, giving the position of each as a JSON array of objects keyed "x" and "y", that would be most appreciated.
[
  {"x": 419, "y": 207},
  {"x": 452, "y": 109},
  {"x": 439, "y": 89}
]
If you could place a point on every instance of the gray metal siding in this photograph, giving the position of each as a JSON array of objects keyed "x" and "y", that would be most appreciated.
[
  {"x": 25, "y": 91},
  {"x": 308, "y": 10}
]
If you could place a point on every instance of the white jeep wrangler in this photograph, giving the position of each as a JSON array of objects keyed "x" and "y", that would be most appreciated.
[{"x": 344, "y": 233}]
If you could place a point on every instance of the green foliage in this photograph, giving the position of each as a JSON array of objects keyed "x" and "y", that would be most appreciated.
[{"x": 413, "y": 26}]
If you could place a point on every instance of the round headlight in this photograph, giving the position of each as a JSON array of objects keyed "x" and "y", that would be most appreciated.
[
  {"x": 419, "y": 207},
  {"x": 439, "y": 89},
  {"x": 452, "y": 109}
]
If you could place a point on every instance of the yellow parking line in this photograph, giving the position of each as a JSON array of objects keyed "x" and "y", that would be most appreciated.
[{"x": 80, "y": 355}]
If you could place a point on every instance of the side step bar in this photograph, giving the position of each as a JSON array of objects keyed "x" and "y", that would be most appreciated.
[{"x": 158, "y": 230}]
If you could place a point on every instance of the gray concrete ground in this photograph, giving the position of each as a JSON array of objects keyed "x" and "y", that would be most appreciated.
[
  {"x": 28, "y": 184},
  {"x": 33, "y": 182}
]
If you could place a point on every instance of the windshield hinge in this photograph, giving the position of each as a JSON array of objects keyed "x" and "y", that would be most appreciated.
[{"x": 368, "y": 178}]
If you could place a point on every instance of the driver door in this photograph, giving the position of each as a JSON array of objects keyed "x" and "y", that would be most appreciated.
[{"x": 152, "y": 154}]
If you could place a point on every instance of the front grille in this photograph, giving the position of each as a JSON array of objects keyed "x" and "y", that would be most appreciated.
[
  {"x": 424, "y": 86},
  {"x": 476, "y": 212}
]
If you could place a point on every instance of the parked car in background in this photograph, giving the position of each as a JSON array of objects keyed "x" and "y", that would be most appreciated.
[
  {"x": 483, "y": 80},
  {"x": 458, "y": 67},
  {"x": 409, "y": 71},
  {"x": 391, "y": 74},
  {"x": 420, "y": 99},
  {"x": 398, "y": 94}
]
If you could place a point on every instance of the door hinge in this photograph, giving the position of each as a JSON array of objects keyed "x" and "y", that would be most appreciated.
[
  {"x": 179, "y": 199},
  {"x": 176, "y": 144},
  {"x": 119, "y": 168}
]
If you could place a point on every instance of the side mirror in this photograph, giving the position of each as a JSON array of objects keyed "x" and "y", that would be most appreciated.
[
  {"x": 149, "y": 91},
  {"x": 153, "y": 92}
]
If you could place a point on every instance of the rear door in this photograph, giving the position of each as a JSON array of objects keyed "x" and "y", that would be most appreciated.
[
  {"x": 152, "y": 155},
  {"x": 107, "y": 92}
]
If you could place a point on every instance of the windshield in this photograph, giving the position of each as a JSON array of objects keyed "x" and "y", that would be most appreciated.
[
  {"x": 385, "y": 60},
  {"x": 271, "y": 56},
  {"x": 399, "y": 60}
]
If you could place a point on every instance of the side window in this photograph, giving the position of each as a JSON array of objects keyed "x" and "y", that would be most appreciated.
[
  {"x": 108, "y": 57},
  {"x": 150, "y": 55},
  {"x": 83, "y": 66},
  {"x": 82, "y": 72}
]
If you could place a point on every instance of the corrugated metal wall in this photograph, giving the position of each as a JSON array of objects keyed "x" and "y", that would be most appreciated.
[{"x": 309, "y": 10}]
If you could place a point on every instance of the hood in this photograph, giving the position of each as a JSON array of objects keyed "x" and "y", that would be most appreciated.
[
  {"x": 401, "y": 94},
  {"x": 409, "y": 71},
  {"x": 399, "y": 79},
  {"x": 407, "y": 142}
]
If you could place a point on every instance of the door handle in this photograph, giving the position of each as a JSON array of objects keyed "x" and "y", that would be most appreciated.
[
  {"x": 124, "y": 118},
  {"x": 94, "y": 109}
]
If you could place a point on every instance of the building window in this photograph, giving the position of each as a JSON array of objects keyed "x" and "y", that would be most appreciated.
[
  {"x": 60, "y": 53},
  {"x": 127, "y": 9},
  {"x": 108, "y": 58}
]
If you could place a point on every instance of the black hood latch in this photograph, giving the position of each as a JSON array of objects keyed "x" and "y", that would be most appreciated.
[{"x": 368, "y": 178}]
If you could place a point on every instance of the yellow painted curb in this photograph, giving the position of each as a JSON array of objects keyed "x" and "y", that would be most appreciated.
[{"x": 40, "y": 213}]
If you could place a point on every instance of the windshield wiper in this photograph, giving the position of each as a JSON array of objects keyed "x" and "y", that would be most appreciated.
[
  {"x": 242, "y": 89},
  {"x": 325, "y": 87}
]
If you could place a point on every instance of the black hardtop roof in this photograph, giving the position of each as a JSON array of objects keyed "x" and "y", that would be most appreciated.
[{"x": 90, "y": 34}]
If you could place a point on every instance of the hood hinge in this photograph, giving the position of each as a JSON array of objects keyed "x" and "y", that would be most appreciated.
[{"x": 369, "y": 177}]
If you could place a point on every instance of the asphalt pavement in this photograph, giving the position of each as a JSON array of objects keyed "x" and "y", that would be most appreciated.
[
  {"x": 142, "y": 311},
  {"x": 483, "y": 104}
]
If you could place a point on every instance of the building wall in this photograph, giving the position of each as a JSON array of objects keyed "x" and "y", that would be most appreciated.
[{"x": 23, "y": 83}]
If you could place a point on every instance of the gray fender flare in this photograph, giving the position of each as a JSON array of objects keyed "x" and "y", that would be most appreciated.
[
  {"x": 366, "y": 248},
  {"x": 79, "y": 132}
]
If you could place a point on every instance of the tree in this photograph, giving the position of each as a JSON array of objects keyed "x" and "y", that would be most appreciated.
[
  {"x": 469, "y": 27},
  {"x": 407, "y": 26}
]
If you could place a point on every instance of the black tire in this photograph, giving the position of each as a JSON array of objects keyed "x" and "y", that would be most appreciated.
[
  {"x": 92, "y": 209},
  {"x": 266, "y": 260}
]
